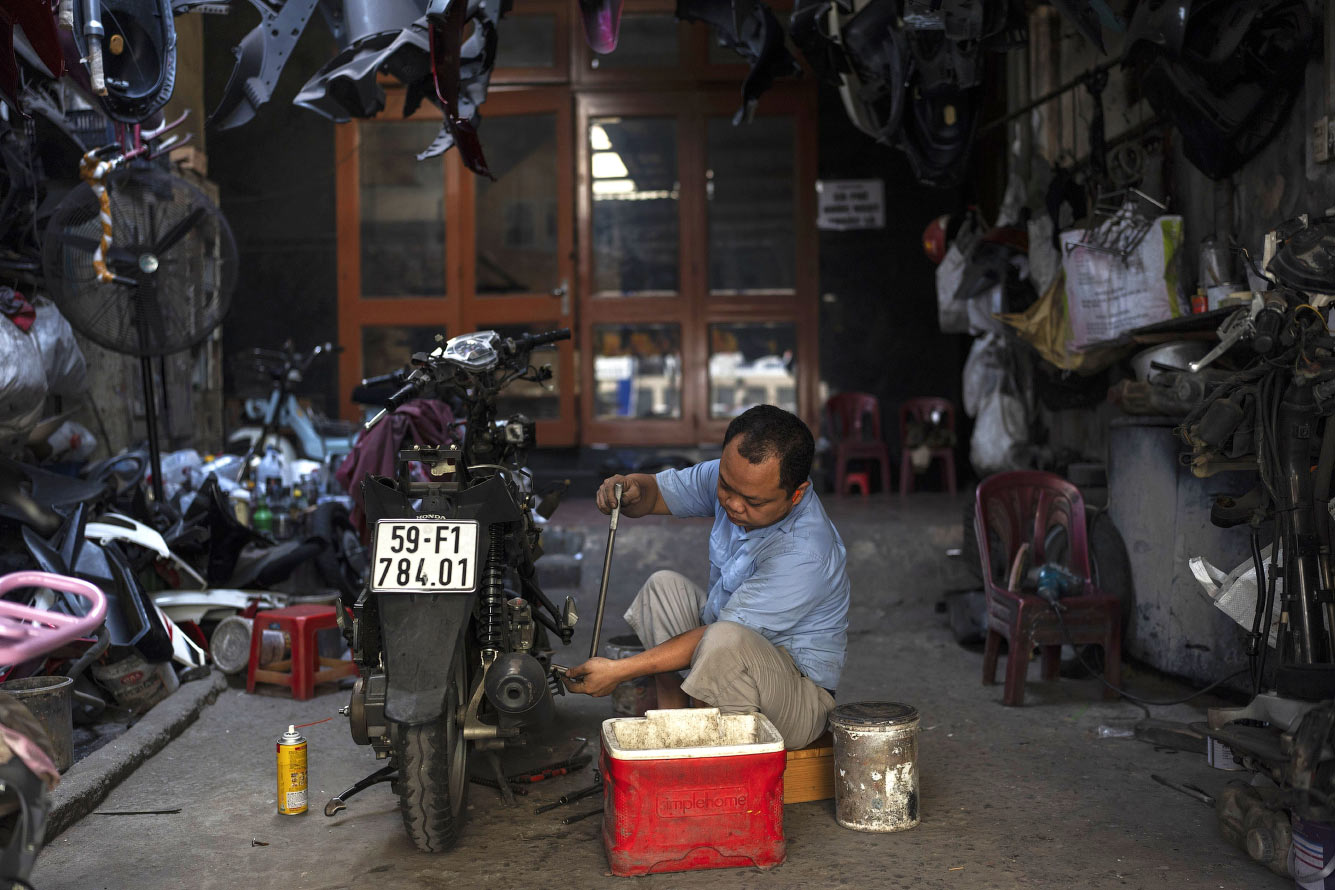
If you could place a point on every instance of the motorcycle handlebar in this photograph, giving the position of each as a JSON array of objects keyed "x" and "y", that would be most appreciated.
[
  {"x": 382, "y": 379},
  {"x": 532, "y": 340},
  {"x": 406, "y": 393}
]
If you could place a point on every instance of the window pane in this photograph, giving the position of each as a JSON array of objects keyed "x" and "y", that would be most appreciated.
[
  {"x": 516, "y": 215},
  {"x": 524, "y": 397},
  {"x": 402, "y": 212},
  {"x": 749, "y": 184},
  {"x": 387, "y": 348},
  {"x": 634, "y": 180},
  {"x": 751, "y": 364},
  {"x": 645, "y": 41},
  {"x": 637, "y": 371},
  {"x": 529, "y": 42}
]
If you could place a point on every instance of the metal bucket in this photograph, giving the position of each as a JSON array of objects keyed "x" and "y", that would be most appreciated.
[
  {"x": 633, "y": 697},
  {"x": 50, "y": 700},
  {"x": 230, "y": 644},
  {"x": 876, "y": 765}
]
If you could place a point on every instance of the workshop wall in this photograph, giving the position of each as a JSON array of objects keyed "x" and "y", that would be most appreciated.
[
  {"x": 878, "y": 319},
  {"x": 276, "y": 178}
]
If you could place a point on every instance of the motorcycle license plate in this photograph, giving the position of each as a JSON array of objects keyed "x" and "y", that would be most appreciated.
[{"x": 425, "y": 556}]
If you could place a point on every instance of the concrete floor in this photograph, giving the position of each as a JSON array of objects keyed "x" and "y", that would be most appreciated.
[{"x": 1027, "y": 797}]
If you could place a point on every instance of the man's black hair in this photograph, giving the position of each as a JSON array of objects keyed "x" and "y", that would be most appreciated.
[{"x": 767, "y": 431}]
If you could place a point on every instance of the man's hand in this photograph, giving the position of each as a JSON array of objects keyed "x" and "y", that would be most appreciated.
[
  {"x": 596, "y": 677},
  {"x": 639, "y": 495}
]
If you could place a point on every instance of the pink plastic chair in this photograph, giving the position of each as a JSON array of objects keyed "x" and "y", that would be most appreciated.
[
  {"x": 26, "y": 632},
  {"x": 920, "y": 410},
  {"x": 1022, "y": 507},
  {"x": 854, "y": 421}
]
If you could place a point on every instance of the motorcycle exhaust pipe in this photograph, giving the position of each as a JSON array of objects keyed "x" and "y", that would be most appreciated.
[{"x": 516, "y": 685}]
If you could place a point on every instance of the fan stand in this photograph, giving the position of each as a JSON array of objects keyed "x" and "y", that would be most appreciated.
[{"x": 151, "y": 419}]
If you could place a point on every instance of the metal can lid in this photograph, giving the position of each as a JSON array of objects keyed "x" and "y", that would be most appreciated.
[{"x": 873, "y": 713}]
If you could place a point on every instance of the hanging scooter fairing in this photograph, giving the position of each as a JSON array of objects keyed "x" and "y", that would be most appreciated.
[
  {"x": 461, "y": 70},
  {"x": 750, "y": 29},
  {"x": 141, "y": 76}
]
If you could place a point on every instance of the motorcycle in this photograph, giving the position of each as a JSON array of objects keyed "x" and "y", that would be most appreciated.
[
  {"x": 451, "y": 631},
  {"x": 1276, "y": 413},
  {"x": 278, "y": 419}
]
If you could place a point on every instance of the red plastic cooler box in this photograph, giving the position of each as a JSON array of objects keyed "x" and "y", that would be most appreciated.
[{"x": 692, "y": 788}]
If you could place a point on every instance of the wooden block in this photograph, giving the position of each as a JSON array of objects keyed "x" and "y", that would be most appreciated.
[{"x": 809, "y": 774}]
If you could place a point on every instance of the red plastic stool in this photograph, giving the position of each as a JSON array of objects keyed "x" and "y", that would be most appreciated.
[
  {"x": 862, "y": 481},
  {"x": 306, "y": 667}
]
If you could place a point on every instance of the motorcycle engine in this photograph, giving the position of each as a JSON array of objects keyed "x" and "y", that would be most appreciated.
[{"x": 366, "y": 713}]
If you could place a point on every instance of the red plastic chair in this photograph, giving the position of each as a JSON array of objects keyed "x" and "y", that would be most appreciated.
[
  {"x": 1023, "y": 507},
  {"x": 306, "y": 668},
  {"x": 920, "y": 410},
  {"x": 854, "y": 421}
]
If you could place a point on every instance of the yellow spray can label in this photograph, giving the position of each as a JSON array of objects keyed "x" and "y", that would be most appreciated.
[{"x": 291, "y": 773}]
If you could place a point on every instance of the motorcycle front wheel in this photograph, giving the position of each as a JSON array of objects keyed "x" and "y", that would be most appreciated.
[{"x": 433, "y": 770}]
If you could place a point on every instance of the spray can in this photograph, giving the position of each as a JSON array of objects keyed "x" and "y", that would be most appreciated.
[{"x": 291, "y": 773}]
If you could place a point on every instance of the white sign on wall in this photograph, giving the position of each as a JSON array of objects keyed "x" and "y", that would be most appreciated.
[{"x": 847, "y": 204}]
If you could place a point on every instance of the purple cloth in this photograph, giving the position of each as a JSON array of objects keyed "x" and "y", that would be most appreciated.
[{"x": 421, "y": 422}]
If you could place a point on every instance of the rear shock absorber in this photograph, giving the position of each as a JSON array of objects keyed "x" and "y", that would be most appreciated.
[{"x": 491, "y": 601}]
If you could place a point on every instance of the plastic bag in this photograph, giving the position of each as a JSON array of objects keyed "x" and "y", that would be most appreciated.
[
  {"x": 1000, "y": 435},
  {"x": 62, "y": 359},
  {"x": 953, "y": 315},
  {"x": 1235, "y": 593},
  {"x": 984, "y": 372},
  {"x": 22, "y": 386},
  {"x": 72, "y": 442}
]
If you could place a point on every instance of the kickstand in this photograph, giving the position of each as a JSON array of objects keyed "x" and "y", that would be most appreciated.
[
  {"x": 387, "y": 774},
  {"x": 506, "y": 794}
]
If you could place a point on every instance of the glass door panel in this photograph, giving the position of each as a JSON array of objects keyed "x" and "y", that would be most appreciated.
[
  {"x": 402, "y": 212},
  {"x": 516, "y": 217},
  {"x": 637, "y": 371},
  {"x": 635, "y": 190},
  {"x": 751, "y": 363},
  {"x": 750, "y": 188}
]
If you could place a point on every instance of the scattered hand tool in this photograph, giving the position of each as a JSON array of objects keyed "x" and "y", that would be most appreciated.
[
  {"x": 492, "y": 783},
  {"x": 607, "y": 569},
  {"x": 551, "y": 771},
  {"x": 595, "y": 788},
  {"x": 137, "y": 812},
  {"x": 571, "y": 820},
  {"x": 1189, "y": 790}
]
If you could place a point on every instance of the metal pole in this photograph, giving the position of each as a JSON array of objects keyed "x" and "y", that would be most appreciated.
[
  {"x": 151, "y": 419},
  {"x": 607, "y": 568}
]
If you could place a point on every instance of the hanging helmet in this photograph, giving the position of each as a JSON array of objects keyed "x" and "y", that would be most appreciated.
[{"x": 934, "y": 238}]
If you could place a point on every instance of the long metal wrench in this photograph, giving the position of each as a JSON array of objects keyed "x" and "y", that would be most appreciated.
[
  {"x": 607, "y": 568},
  {"x": 1189, "y": 790}
]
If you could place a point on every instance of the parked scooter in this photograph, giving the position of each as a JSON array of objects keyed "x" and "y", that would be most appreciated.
[
  {"x": 280, "y": 419},
  {"x": 451, "y": 631}
]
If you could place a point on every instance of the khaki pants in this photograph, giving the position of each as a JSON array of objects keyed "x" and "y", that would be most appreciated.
[{"x": 734, "y": 668}]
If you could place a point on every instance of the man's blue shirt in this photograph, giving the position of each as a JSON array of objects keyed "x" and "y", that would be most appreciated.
[{"x": 787, "y": 581}]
